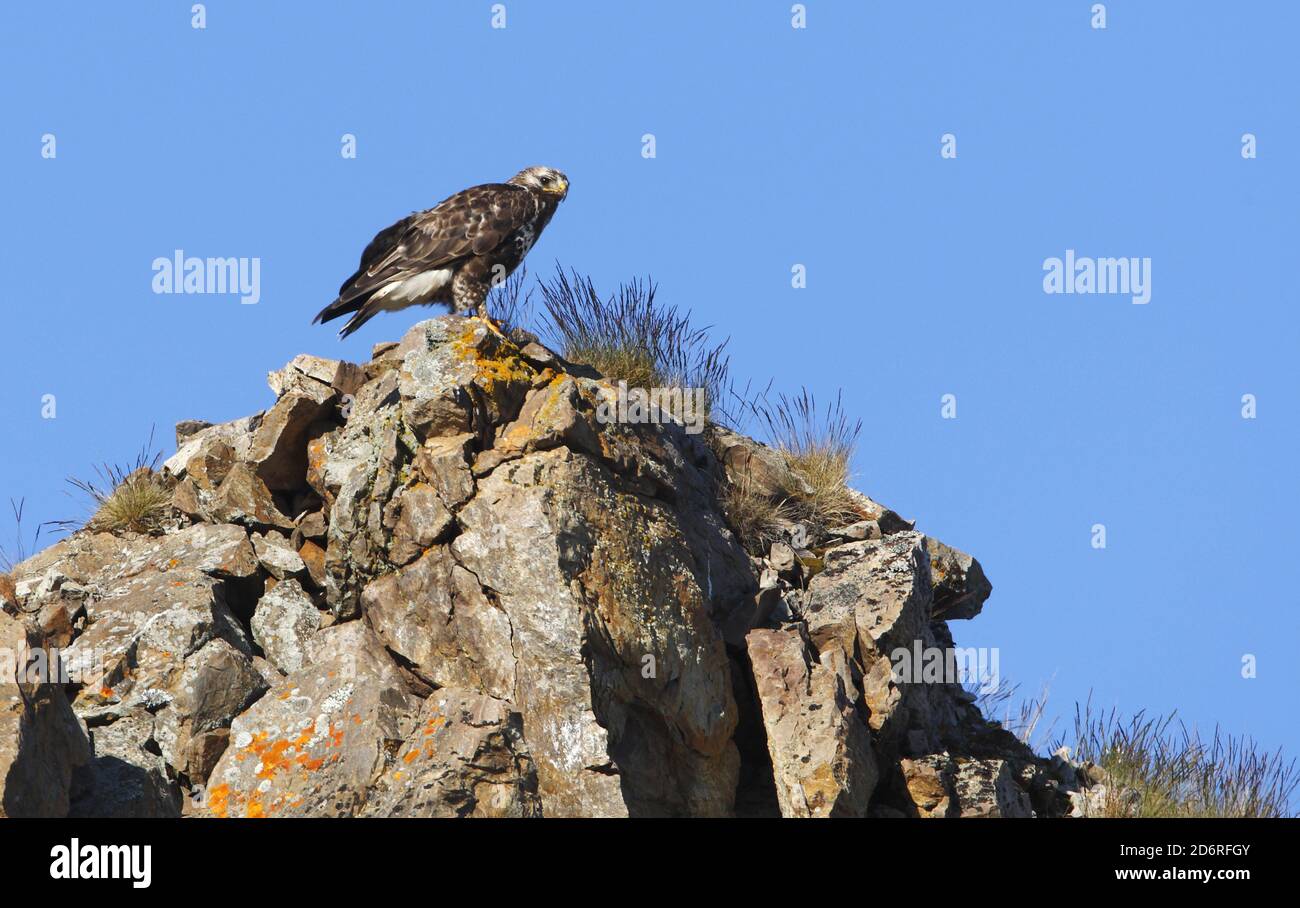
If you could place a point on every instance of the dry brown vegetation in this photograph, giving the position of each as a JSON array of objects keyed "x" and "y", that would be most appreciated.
[
  {"x": 13, "y": 555},
  {"x": 125, "y": 497},
  {"x": 756, "y": 518},
  {"x": 1159, "y": 767},
  {"x": 630, "y": 336},
  {"x": 818, "y": 445}
]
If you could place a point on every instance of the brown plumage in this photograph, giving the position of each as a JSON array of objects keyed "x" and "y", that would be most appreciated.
[{"x": 452, "y": 253}]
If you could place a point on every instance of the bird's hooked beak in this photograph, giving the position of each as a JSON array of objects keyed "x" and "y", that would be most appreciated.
[{"x": 560, "y": 188}]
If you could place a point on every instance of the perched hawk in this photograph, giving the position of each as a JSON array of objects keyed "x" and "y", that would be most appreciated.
[{"x": 452, "y": 253}]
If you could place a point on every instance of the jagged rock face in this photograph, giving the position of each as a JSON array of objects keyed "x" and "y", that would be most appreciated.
[
  {"x": 613, "y": 636},
  {"x": 436, "y": 584}
]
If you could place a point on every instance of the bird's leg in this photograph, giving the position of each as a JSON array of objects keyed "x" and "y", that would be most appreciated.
[{"x": 470, "y": 294}]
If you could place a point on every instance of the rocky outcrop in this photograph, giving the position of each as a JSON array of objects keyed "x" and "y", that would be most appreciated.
[
  {"x": 42, "y": 745},
  {"x": 437, "y": 584}
]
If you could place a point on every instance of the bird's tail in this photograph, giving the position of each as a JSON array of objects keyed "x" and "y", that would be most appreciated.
[
  {"x": 337, "y": 308},
  {"x": 340, "y": 307}
]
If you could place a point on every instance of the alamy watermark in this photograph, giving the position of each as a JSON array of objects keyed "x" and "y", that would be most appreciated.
[
  {"x": 1082, "y": 274},
  {"x": 946, "y": 665},
  {"x": 191, "y": 274},
  {"x": 75, "y": 861},
  {"x": 686, "y": 407},
  {"x": 51, "y": 665}
]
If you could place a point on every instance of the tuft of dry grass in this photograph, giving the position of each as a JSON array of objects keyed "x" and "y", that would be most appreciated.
[
  {"x": 138, "y": 504},
  {"x": 757, "y": 519},
  {"x": 818, "y": 445},
  {"x": 1176, "y": 772},
  {"x": 10, "y": 558},
  {"x": 126, "y": 497},
  {"x": 630, "y": 336}
]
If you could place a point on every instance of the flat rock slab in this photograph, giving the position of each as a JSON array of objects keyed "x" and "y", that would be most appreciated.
[
  {"x": 821, "y": 752},
  {"x": 315, "y": 744}
]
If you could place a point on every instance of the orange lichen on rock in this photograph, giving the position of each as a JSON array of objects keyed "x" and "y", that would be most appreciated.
[
  {"x": 273, "y": 759},
  {"x": 506, "y": 366},
  {"x": 281, "y": 762},
  {"x": 219, "y": 800}
]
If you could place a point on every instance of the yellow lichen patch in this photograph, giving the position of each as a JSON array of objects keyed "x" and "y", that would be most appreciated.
[
  {"x": 515, "y": 437},
  {"x": 814, "y": 565},
  {"x": 506, "y": 366},
  {"x": 820, "y": 787}
]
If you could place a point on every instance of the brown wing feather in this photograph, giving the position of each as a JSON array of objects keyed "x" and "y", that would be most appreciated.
[{"x": 472, "y": 222}]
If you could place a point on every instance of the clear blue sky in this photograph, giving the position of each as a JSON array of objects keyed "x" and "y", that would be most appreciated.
[{"x": 775, "y": 146}]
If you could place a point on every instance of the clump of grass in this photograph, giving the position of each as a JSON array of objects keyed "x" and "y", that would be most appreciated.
[
  {"x": 128, "y": 497},
  {"x": 509, "y": 306},
  {"x": 10, "y": 558},
  {"x": 1176, "y": 772},
  {"x": 630, "y": 336},
  {"x": 756, "y": 518},
  {"x": 818, "y": 445}
]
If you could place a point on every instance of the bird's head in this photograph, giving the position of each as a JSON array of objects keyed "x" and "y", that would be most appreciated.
[{"x": 542, "y": 179}]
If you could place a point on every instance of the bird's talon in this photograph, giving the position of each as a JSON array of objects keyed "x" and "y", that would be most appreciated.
[{"x": 491, "y": 326}]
